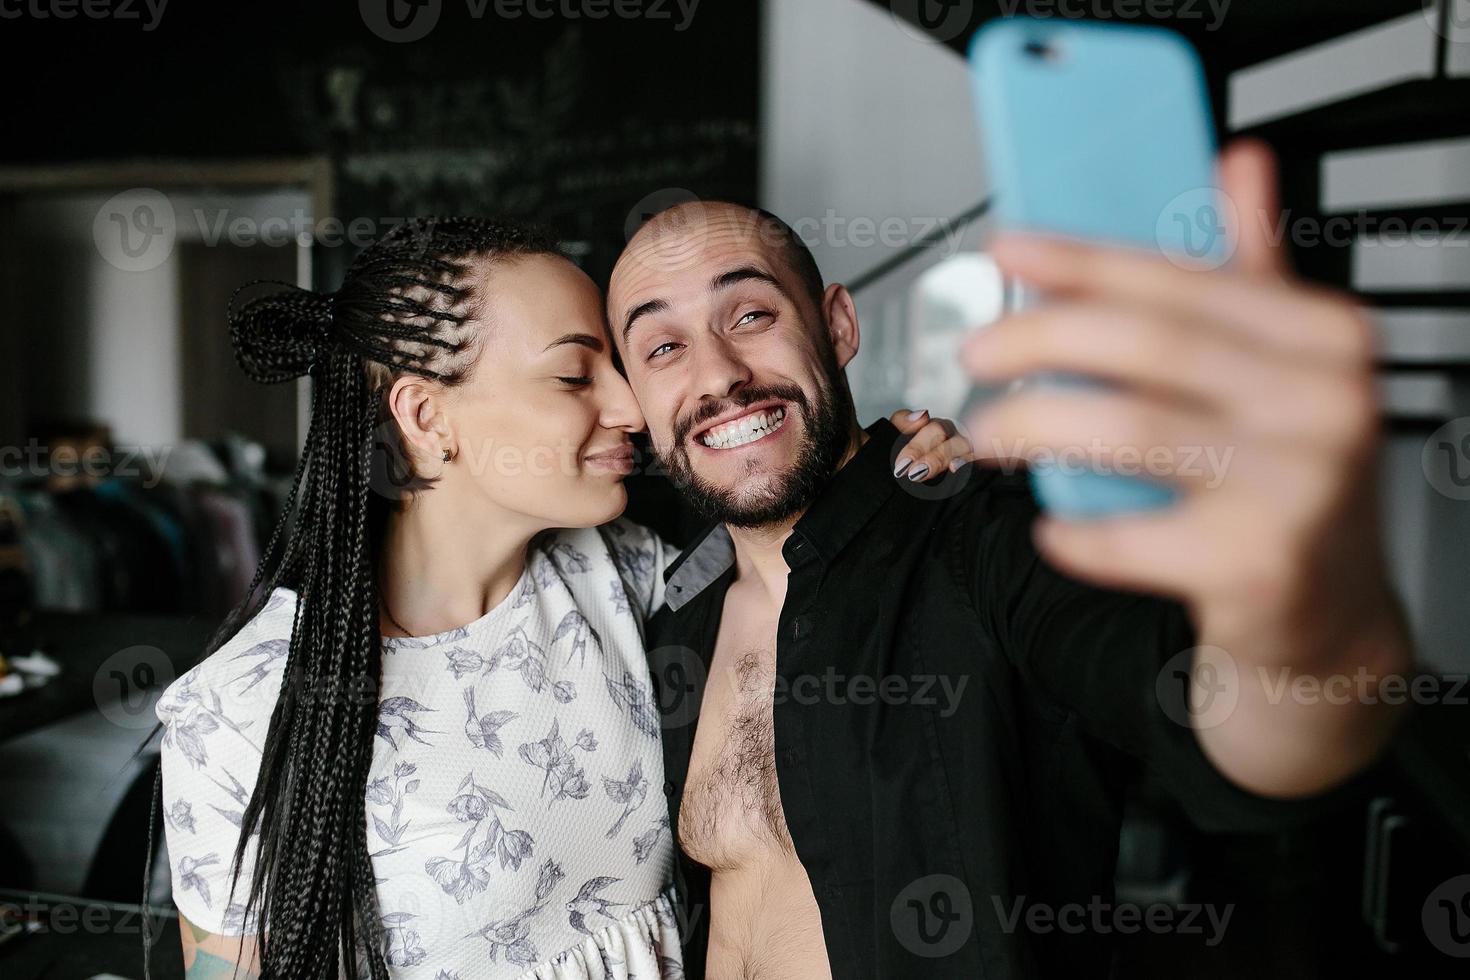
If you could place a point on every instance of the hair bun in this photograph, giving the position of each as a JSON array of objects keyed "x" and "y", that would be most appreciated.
[{"x": 278, "y": 336}]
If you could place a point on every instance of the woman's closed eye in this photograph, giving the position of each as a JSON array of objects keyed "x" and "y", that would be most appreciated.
[{"x": 575, "y": 381}]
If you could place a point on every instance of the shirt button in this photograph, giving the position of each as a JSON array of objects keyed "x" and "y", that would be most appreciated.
[{"x": 668, "y": 787}]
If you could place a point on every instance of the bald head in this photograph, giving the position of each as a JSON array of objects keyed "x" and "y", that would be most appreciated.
[{"x": 670, "y": 241}]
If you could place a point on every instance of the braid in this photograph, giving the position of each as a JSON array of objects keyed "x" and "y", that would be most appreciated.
[{"x": 408, "y": 304}]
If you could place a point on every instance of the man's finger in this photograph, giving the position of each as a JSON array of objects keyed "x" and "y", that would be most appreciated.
[
  {"x": 1291, "y": 319},
  {"x": 1128, "y": 345},
  {"x": 1159, "y": 552},
  {"x": 1248, "y": 179},
  {"x": 1110, "y": 432}
]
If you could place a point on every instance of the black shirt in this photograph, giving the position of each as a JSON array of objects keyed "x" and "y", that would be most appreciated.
[{"x": 954, "y": 724}]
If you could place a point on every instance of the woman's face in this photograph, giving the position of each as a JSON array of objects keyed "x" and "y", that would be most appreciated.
[{"x": 540, "y": 427}]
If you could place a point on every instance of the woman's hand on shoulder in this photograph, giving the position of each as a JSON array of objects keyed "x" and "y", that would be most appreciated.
[{"x": 934, "y": 446}]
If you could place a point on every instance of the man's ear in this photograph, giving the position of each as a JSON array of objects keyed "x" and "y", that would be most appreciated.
[
  {"x": 415, "y": 405},
  {"x": 842, "y": 322}
]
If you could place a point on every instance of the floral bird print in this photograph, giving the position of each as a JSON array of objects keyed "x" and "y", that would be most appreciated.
[
  {"x": 630, "y": 792},
  {"x": 483, "y": 730},
  {"x": 575, "y": 625},
  {"x": 190, "y": 877},
  {"x": 587, "y": 903},
  {"x": 271, "y": 651},
  {"x": 397, "y": 713},
  {"x": 512, "y": 937}
]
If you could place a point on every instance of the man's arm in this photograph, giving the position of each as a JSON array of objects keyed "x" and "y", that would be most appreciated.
[
  {"x": 211, "y": 957},
  {"x": 1254, "y": 395}
]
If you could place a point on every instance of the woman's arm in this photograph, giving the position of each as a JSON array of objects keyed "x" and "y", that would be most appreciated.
[{"x": 211, "y": 957}]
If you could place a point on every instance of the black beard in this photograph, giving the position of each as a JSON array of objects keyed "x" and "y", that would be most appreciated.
[{"x": 824, "y": 440}]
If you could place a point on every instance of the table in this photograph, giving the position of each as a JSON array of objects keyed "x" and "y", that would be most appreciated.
[
  {"x": 116, "y": 663},
  {"x": 81, "y": 939}
]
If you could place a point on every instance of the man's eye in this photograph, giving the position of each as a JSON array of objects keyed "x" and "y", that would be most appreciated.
[
  {"x": 662, "y": 349},
  {"x": 751, "y": 316},
  {"x": 578, "y": 382}
]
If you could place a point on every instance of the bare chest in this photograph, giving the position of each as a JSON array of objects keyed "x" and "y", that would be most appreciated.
[{"x": 731, "y": 816}]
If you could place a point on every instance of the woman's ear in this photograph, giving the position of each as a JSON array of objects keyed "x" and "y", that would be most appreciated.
[
  {"x": 414, "y": 403},
  {"x": 842, "y": 322}
]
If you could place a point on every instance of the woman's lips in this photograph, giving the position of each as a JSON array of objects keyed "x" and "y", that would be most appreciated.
[{"x": 618, "y": 460}]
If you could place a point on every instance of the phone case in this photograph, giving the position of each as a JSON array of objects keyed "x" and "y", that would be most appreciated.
[{"x": 1102, "y": 132}]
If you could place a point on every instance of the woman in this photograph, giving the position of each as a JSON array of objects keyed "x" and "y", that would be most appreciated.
[{"x": 446, "y": 701}]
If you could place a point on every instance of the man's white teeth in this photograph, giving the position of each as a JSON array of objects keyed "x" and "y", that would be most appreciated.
[{"x": 748, "y": 429}]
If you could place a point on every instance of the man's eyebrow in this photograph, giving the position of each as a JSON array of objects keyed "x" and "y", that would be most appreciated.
[
  {"x": 643, "y": 309},
  {"x": 584, "y": 339},
  {"x": 746, "y": 273}
]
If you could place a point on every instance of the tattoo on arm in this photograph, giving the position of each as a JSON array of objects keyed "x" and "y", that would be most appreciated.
[
  {"x": 208, "y": 966},
  {"x": 211, "y": 957}
]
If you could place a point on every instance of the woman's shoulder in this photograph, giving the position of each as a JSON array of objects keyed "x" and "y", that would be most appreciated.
[
  {"x": 238, "y": 684},
  {"x": 636, "y": 556}
]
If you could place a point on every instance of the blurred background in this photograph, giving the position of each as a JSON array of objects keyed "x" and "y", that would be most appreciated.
[{"x": 155, "y": 156}]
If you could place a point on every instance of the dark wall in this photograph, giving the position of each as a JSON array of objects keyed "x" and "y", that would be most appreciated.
[{"x": 568, "y": 119}]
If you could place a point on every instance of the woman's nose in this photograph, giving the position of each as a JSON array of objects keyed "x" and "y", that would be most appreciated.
[{"x": 622, "y": 410}]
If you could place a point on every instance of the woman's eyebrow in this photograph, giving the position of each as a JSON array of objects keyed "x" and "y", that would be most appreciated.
[{"x": 584, "y": 339}]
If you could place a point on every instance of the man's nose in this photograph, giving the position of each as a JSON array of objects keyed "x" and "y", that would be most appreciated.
[{"x": 721, "y": 371}]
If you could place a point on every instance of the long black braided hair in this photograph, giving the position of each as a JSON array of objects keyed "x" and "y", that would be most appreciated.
[{"x": 408, "y": 303}]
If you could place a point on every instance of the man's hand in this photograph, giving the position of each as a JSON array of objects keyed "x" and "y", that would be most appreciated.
[{"x": 1253, "y": 394}]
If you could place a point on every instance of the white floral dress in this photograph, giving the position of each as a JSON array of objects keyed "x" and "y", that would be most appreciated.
[{"x": 516, "y": 817}]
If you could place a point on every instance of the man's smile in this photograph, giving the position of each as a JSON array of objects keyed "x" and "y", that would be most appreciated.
[{"x": 752, "y": 425}]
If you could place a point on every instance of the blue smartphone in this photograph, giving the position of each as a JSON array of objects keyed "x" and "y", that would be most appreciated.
[{"x": 1101, "y": 132}]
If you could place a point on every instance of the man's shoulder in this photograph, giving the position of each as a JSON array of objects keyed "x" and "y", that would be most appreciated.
[{"x": 958, "y": 510}]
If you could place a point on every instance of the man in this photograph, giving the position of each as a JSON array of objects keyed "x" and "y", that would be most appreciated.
[{"x": 917, "y": 715}]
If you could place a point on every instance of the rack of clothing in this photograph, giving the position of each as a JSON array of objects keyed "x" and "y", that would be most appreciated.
[{"x": 184, "y": 537}]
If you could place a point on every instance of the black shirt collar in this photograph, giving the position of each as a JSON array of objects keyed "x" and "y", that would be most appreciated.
[{"x": 834, "y": 518}]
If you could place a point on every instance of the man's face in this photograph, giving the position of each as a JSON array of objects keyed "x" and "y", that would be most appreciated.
[{"x": 731, "y": 362}]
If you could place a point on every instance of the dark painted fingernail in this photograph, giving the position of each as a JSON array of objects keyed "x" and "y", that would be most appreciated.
[
  {"x": 904, "y": 463},
  {"x": 918, "y": 472}
]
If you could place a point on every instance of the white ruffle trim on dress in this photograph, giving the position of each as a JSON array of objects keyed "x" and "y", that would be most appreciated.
[{"x": 642, "y": 944}]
